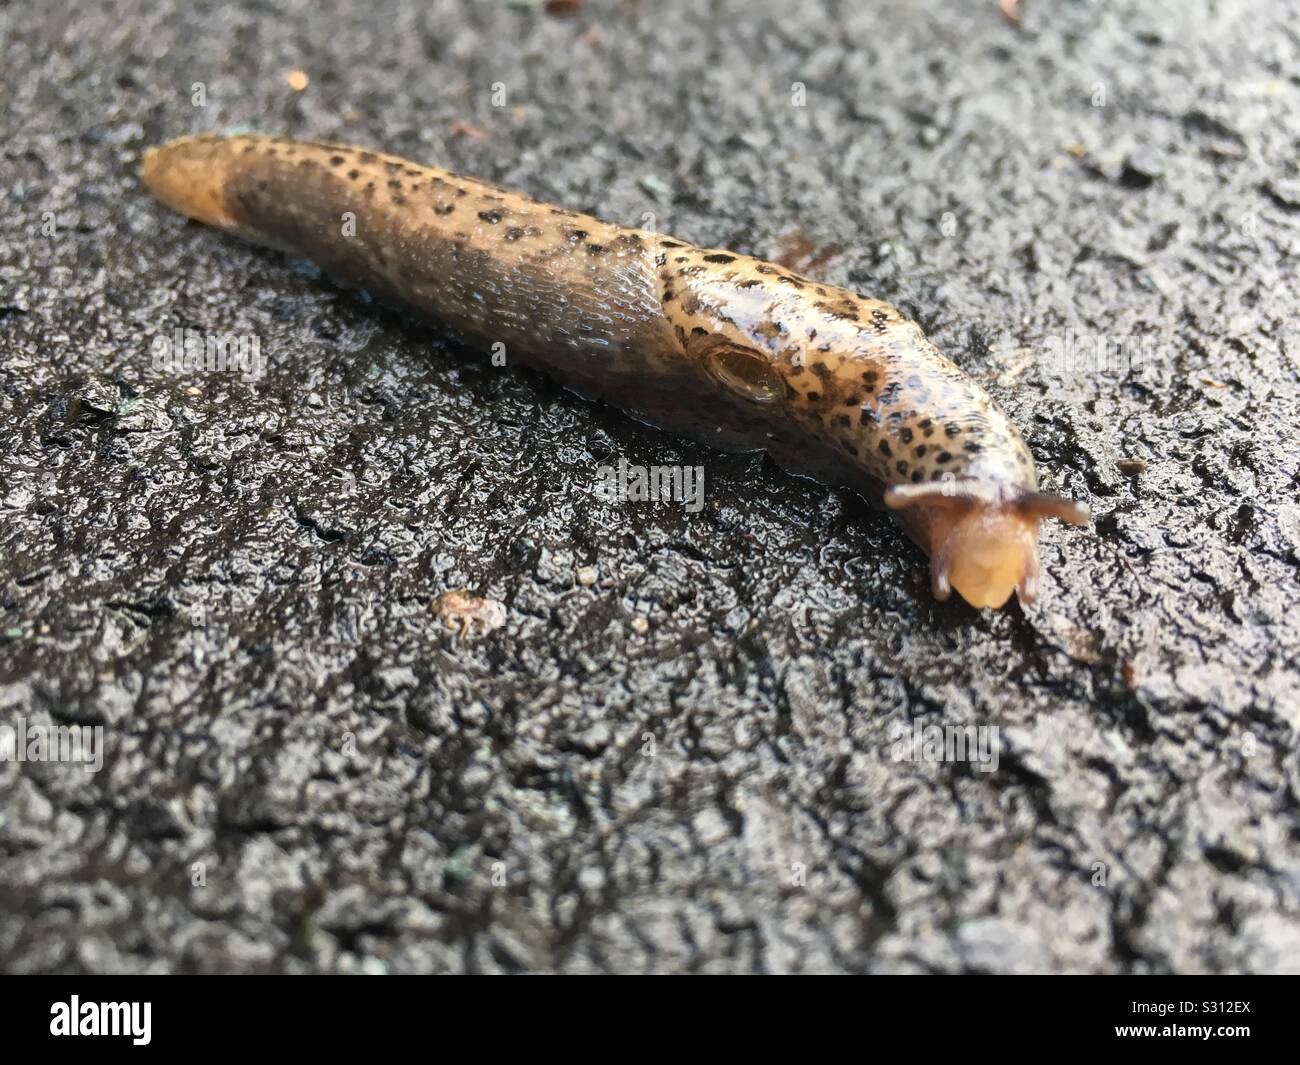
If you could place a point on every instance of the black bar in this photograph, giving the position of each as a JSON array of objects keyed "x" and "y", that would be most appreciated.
[{"x": 344, "y": 1014}]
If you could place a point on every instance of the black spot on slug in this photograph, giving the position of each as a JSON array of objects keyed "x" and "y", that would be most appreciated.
[
  {"x": 491, "y": 217},
  {"x": 719, "y": 258}
]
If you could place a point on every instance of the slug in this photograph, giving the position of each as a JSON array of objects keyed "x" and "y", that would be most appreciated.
[{"x": 736, "y": 352}]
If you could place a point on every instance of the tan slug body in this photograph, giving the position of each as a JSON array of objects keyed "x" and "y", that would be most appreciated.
[{"x": 731, "y": 350}]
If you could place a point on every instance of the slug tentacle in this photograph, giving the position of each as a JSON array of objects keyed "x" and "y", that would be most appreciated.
[
  {"x": 1043, "y": 505},
  {"x": 731, "y": 350},
  {"x": 982, "y": 538}
]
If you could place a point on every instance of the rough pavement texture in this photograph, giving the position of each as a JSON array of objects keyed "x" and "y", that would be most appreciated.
[{"x": 689, "y": 761}]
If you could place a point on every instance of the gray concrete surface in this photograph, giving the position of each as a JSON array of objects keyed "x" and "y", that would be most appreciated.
[{"x": 688, "y": 763}]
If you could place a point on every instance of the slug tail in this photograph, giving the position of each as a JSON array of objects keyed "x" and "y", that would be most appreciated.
[
  {"x": 981, "y": 543},
  {"x": 190, "y": 175}
]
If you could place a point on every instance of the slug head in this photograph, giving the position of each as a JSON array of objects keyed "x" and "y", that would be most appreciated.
[{"x": 981, "y": 542}]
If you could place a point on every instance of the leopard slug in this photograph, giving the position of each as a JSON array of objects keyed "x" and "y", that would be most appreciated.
[{"x": 734, "y": 351}]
